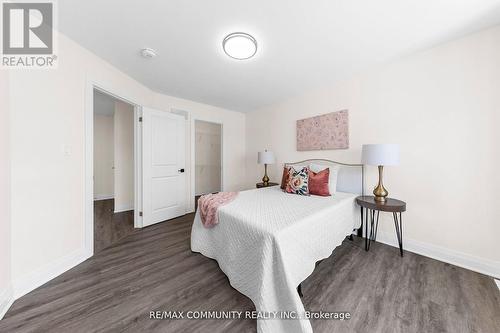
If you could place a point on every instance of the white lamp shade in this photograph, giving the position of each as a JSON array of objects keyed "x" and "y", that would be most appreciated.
[
  {"x": 266, "y": 157},
  {"x": 380, "y": 154}
]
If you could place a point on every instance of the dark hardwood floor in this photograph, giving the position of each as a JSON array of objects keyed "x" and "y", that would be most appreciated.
[
  {"x": 154, "y": 269},
  {"x": 109, "y": 227}
]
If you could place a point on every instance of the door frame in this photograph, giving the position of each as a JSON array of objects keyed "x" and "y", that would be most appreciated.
[
  {"x": 89, "y": 157},
  {"x": 193, "y": 156}
]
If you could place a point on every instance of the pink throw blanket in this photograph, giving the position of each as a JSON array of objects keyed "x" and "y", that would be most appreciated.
[{"x": 209, "y": 203}]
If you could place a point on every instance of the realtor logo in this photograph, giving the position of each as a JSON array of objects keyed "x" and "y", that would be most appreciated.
[
  {"x": 27, "y": 28},
  {"x": 27, "y": 34}
]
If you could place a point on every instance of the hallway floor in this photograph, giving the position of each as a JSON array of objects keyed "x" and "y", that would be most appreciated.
[{"x": 110, "y": 227}]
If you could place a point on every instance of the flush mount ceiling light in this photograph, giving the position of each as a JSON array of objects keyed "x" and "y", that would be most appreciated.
[
  {"x": 148, "y": 53},
  {"x": 239, "y": 45}
]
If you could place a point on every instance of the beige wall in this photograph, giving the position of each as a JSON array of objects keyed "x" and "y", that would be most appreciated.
[
  {"x": 103, "y": 157},
  {"x": 124, "y": 156},
  {"x": 442, "y": 106},
  {"x": 48, "y": 156},
  {"x": 208, "y": 166},
  {"x": 5, "y": 196}
]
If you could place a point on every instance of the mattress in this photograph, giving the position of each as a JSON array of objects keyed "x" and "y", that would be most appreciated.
[{"x": 267, "y": 242}]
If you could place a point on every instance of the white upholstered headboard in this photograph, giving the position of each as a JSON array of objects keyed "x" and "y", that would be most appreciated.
[{"x": 351, "y": 177}]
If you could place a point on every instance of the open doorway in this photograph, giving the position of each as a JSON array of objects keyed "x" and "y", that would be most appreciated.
[
  {"x": 208, "y": 158},
  {"x": 113, "y": 169}
]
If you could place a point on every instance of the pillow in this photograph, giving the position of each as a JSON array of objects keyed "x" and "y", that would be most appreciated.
[
  {"x": 286, "y": 171},
  {"x": 318, "y": 182},
  {"x": 284, "y": 178},
  {"x": 298, "y": 181},
  {"x": 332, "y": 180}
]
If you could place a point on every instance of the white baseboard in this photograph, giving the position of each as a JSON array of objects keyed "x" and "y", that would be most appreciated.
[
  {"x": 6, "y": 300},
  {"x": 124, "y": 208},
  {"x": 98, "y": 197},
  {"x": 43, "y": 275},
  {"x": 480, "y": 265}
]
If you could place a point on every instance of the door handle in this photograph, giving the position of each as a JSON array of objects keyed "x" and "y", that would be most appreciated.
[{"x": 181, "y": 170}]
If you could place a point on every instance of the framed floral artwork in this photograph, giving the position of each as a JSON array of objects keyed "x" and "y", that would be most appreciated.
[{"x": 323, "y": 132}]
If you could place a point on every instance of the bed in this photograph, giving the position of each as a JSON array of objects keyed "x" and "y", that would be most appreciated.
[{"x": 267, "y": 242}]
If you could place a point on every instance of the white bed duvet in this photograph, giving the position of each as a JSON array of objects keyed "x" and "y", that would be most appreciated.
[{"x": 267, "y": 242}]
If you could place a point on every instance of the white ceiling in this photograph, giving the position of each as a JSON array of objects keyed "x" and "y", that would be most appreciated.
[{"x": 302, "y": 44}]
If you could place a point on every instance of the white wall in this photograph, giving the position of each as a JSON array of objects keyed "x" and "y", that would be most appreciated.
[
  {"x": 442, "y": 106},
  {"x": 5, "y": 196},
  {"x": 124, "y": 156},
  {"x": 208, "y": 151},
  {"x": 48, "y": 185},
  {"x": 233, "y": 133},
  {"x": 103, "y": 157}
]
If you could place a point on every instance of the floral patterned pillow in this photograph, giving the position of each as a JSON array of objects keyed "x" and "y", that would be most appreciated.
[{"x": 298, "y": 181}]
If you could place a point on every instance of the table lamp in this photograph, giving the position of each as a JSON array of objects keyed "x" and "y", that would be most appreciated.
[
  {"x": 380, "y": 155},
  {"x": 265, "y": 157}
]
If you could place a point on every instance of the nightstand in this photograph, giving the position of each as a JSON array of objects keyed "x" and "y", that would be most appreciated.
[
  {"x": 371, "y": 210},
  {"x": 260, "y": 185}
]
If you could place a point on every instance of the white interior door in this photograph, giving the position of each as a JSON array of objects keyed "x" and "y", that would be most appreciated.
[{"x": 164, "y": 180}]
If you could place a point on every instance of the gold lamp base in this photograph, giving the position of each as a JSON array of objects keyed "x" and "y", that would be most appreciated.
[
  {"x": 380, "y": 192},
  {"x": 265, "y": 179}
]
